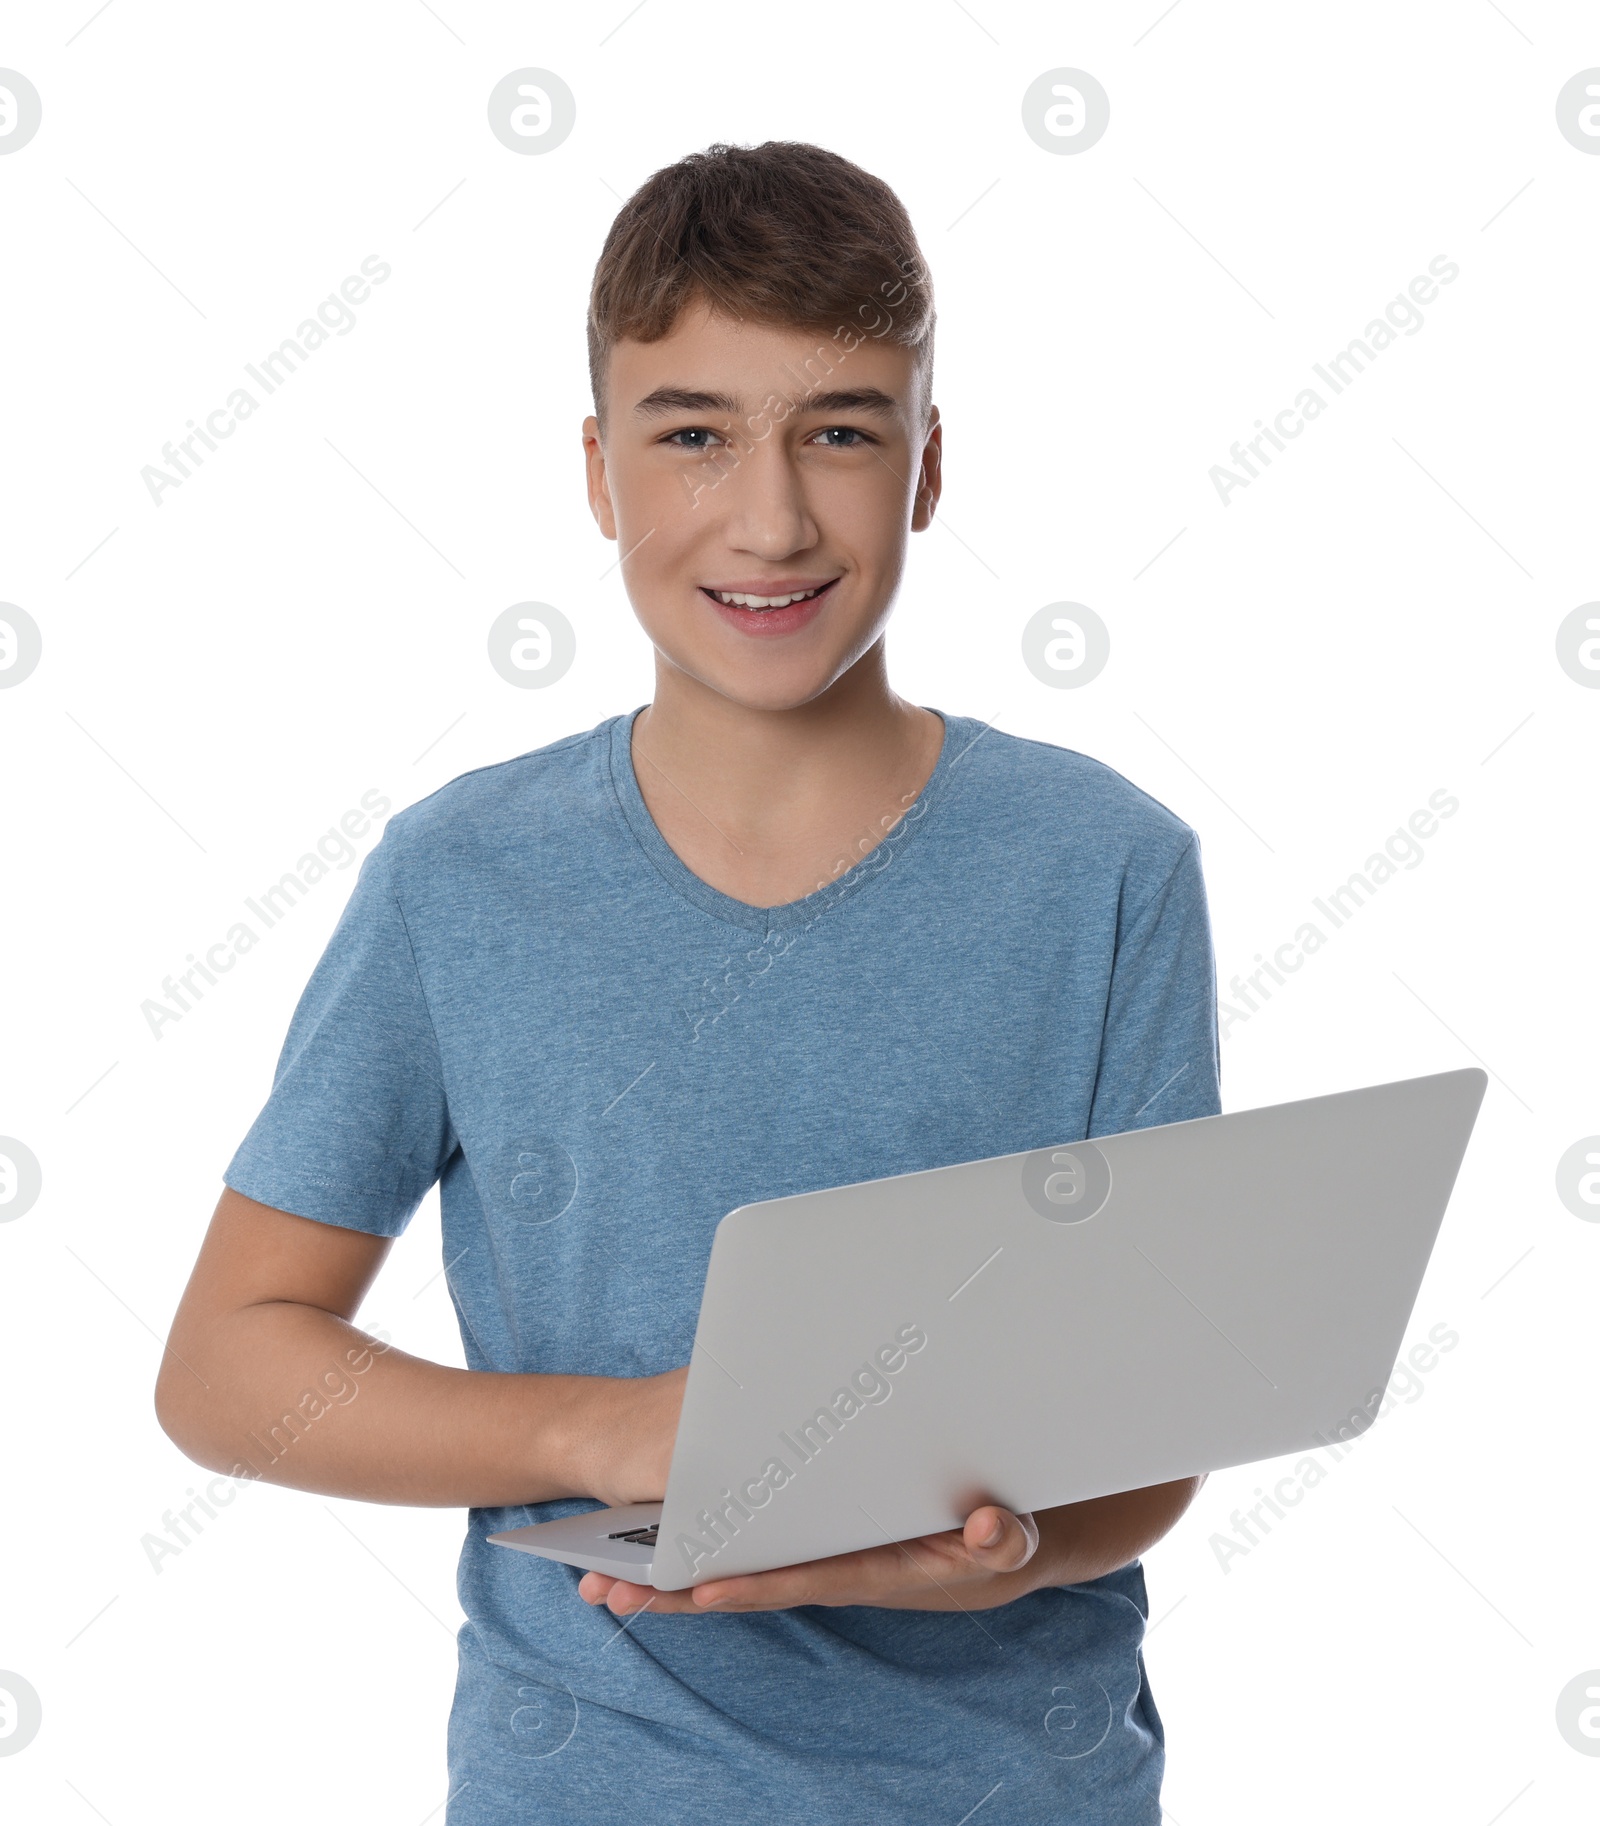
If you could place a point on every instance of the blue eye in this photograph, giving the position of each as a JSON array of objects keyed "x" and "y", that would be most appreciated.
[{"x": 690, "y": 431}]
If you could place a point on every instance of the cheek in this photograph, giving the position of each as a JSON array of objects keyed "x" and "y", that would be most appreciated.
[
  {"x": 874, "y": 497},
  {"x": 666, "y": 548}
]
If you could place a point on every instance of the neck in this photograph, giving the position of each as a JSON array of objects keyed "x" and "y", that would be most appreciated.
[{"x": 763, "y": 802}]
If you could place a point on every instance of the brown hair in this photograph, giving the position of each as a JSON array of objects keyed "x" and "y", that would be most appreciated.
[{"x": 785, "y": 233}]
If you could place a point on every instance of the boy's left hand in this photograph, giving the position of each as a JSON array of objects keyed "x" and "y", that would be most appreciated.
[{"x": 988, "y": 1562}]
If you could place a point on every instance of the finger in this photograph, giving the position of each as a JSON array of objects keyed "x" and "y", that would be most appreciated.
[
  {"x": 658, "y": 1604},
  {"x": 778, "y": 1590},
  {"x": 1000, "y": 1540},
  {"x": 845, "y": 1578},
  {"x": 625, "y": 1598},
  {"x": 594, "y": 1586},
  {"x": 733, "y": 1594}
]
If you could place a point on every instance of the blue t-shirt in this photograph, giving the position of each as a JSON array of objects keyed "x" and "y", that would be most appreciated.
[{"x": 532, "y": 1000}]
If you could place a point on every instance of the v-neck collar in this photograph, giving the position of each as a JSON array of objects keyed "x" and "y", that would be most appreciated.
[{"x": 684, "y": 882}]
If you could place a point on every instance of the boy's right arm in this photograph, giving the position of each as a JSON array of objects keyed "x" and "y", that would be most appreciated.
[{"x": 266, "y": 1321}]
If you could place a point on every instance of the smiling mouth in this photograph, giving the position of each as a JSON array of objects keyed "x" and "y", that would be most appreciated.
[{"x": 741, "y": 599}]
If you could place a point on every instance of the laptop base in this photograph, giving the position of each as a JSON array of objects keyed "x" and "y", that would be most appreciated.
[{"x": 595, "y": 1540}]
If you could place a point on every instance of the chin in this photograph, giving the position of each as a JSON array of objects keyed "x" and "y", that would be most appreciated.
[{"x": 764, "y": 680}]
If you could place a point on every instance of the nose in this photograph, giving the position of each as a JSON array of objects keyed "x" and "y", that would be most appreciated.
[{"x": 767, "y": 511}]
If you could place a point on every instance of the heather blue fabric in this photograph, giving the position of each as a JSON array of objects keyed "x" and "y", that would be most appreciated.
[{"x": 532, "y": 1000}]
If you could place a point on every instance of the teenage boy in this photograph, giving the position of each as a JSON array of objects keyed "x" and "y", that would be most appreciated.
[{"x": 781, "y": 929}]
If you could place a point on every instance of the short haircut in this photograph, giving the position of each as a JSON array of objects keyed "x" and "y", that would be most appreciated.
[{"x": 783, "y": 234}]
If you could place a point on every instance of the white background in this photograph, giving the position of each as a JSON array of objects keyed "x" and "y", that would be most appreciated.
[{"x": 1371, "y": 620}]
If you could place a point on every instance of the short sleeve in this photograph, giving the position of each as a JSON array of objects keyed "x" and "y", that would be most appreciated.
[
  {"x": 1159, "y": 1056},
  {"x": 356, "y": 1128}
]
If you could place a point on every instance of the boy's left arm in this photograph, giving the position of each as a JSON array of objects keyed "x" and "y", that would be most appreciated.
[{"x": 997, "y": 1557}]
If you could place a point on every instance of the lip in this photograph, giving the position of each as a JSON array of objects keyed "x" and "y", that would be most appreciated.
[{"x": 771, "y": 624}]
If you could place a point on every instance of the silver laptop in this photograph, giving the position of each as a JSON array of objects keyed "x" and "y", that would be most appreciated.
[{"x": 875, "y": 1361}]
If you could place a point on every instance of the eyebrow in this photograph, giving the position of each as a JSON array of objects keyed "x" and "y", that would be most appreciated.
[{"x": 667, "y": 400}]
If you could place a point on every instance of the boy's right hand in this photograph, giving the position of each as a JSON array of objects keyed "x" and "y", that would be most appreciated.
[{"x": 627, "y": 1436}]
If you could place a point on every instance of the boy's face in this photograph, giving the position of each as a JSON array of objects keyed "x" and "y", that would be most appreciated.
[{"x": 729, "y": 466}]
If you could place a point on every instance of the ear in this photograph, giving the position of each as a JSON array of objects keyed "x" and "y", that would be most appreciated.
[
  {"x": 930, "y": 475},
  {"x": 594, "y": 459}
]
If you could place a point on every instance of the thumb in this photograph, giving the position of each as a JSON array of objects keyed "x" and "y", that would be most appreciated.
[{"x": 1000, "y": 1540}]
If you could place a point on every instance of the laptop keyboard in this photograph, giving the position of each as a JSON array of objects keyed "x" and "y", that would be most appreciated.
[{"x": 645, "y": 1537}]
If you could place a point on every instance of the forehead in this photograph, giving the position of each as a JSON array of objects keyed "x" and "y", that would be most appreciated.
[{"x": 710, "y": 361}]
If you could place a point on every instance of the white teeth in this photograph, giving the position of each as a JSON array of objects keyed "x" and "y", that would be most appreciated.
[{"x": 741, "y": 601}]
